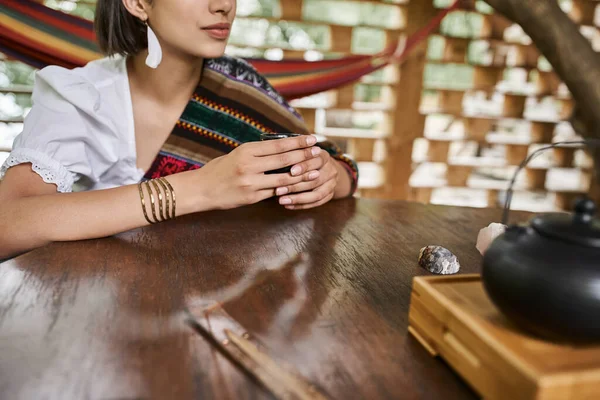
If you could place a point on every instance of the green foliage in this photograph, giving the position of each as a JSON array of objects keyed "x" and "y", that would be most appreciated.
[
  {"x": 353, "y": 13},
  {"x": 453, "y": 76},
  {"x": 15, "y": 73},
  {"x": 73, "y": 7}
]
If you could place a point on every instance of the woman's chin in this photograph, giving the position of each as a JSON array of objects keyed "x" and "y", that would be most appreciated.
[{"x": 212, "y": 51}]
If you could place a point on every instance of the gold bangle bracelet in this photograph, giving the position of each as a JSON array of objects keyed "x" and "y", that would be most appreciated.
[
  {"x": 143, "y": 203},
  {"x": 173, "y": 214},
  {"x": 151, "y": 201},
  {"x": 167, "y": 198},
  {"x": 160, "y": 201}
]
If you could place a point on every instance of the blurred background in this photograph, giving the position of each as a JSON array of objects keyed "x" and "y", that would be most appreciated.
[{"x": 447, "y": 126}]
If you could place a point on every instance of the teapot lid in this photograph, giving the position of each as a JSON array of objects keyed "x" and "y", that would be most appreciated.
[{"x": 579, "y": 228}]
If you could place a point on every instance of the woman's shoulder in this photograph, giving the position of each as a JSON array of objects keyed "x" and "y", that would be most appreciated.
[
  {"x": 60, "y": 88},
  {"x": 97, "y": 72}
]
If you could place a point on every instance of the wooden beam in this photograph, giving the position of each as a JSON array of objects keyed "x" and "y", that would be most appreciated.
[
  {"x": 486, "y": 78},
  {"x": 291, "y": 9},
  {"x": 583, "y": 11},
  {"x": 294, "y": 54},
  {"x": 527, "y": 56},
  {"x": 564, "y": 156},
  {"x": 458, "y": 175},
  {"x": 515, "y": 154},
  {"x": 566, "y": 200},
  {"x": 341, "y": 38},
  {"x": 536, "y": 178},
  {"x": 455, "y": 50},
  {"x": 451, "y": 101},
  {"x": 547, "y": 83},
  {"x": 542, "y": 132},
  {"x": 494, "y": 26},
  {"x": 361, "y": 149},
  {"x": 514, "y": 106},
  {"x": 420, "y": 195},
  {"x": 438, "y": 151},
  {"x": 567, "y": 107},
  {"x": 408, "y": 123},
  {"x": 309, "y": 116},
  {"x": 492, "y": 198},
  {"x": 345, "y": 96},
  {"x": 477, "y": 128}
]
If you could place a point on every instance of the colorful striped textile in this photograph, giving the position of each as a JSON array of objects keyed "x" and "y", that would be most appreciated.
[
  {"x": 40, "y": 36},
  {"x": 233, "y": 104}
]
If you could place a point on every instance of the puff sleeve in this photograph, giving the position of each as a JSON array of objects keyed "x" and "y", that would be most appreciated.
[{"x": 59, "y": 136}]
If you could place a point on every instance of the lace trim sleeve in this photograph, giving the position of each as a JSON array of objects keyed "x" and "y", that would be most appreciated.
[{"x": 50, "y": 170}]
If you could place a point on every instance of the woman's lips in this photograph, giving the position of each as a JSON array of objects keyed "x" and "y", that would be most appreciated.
[{"x": 218, "y": 31}]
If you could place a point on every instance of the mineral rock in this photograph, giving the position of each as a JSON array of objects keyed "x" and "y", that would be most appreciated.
[{"x": 438, "y": 260}]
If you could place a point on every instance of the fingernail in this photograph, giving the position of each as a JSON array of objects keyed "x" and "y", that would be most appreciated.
[
  {"x": 313, "y": 175},
  {"x": 315, "y": 151},
  {"x": 281, "y": 191},
  {"x": 285, "y": 201},
  {"x": 311, "y": 140},
  {"x": 289, "y": 207},
  {"x": 296, "y": 170}
]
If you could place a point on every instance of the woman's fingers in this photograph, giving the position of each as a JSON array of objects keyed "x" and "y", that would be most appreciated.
[
  {"x": 304, "y": 186},
  {"x": 271, "y": 147},
  {"x": 285, "y": 180},
  {"x": 311, "y": 205},
  {"x": 314, "y": 196},
  {"x": 309, "y": 165},
  {"x": 277, "y": 161}
]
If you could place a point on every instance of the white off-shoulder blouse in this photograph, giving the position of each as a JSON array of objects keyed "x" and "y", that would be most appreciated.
[{"x": 80, "y": 128}]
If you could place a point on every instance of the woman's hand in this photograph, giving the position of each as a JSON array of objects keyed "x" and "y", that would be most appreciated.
[
  {"x": 329, "y": 181},
  {"x": 239, "y": 178}
]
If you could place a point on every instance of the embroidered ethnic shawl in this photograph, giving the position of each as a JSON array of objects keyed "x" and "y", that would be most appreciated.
[{"x": 232, "y": 104}]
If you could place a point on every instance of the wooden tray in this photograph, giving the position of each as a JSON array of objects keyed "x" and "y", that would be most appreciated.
[{"x": 452, "y": 317}]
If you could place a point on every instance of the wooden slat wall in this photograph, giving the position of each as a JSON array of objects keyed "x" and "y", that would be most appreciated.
[{"x": 446, "y": 171}]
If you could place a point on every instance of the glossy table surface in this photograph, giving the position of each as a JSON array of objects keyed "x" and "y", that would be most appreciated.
[{"x": 103, "y": 319}]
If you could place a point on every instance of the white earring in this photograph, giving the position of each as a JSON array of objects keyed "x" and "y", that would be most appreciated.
[{"x": 154, "y": 51}]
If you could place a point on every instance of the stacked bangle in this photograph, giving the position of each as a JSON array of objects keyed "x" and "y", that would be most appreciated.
[{"x": 165, "y": 196}]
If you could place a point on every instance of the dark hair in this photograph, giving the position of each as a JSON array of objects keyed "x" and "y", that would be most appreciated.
[{"x": 117, "y": 31}]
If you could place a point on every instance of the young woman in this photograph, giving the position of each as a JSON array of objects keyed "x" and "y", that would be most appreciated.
[{"x": 164, "y": 126}]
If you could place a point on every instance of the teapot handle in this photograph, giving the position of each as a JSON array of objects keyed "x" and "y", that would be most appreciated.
[{"x": 580, "y": 144}]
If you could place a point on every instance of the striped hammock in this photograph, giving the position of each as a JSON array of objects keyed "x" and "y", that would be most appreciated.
[{"x": 39, "y": 36}]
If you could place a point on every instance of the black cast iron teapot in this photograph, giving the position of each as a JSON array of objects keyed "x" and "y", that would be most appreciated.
[{"x": 545, "y": 276}]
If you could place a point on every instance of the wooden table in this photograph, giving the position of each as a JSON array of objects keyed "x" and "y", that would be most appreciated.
[{"x": 102, "y": 319}]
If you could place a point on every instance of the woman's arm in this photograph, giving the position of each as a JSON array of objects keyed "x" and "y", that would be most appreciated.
[{"x": 32, "y": 214}]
